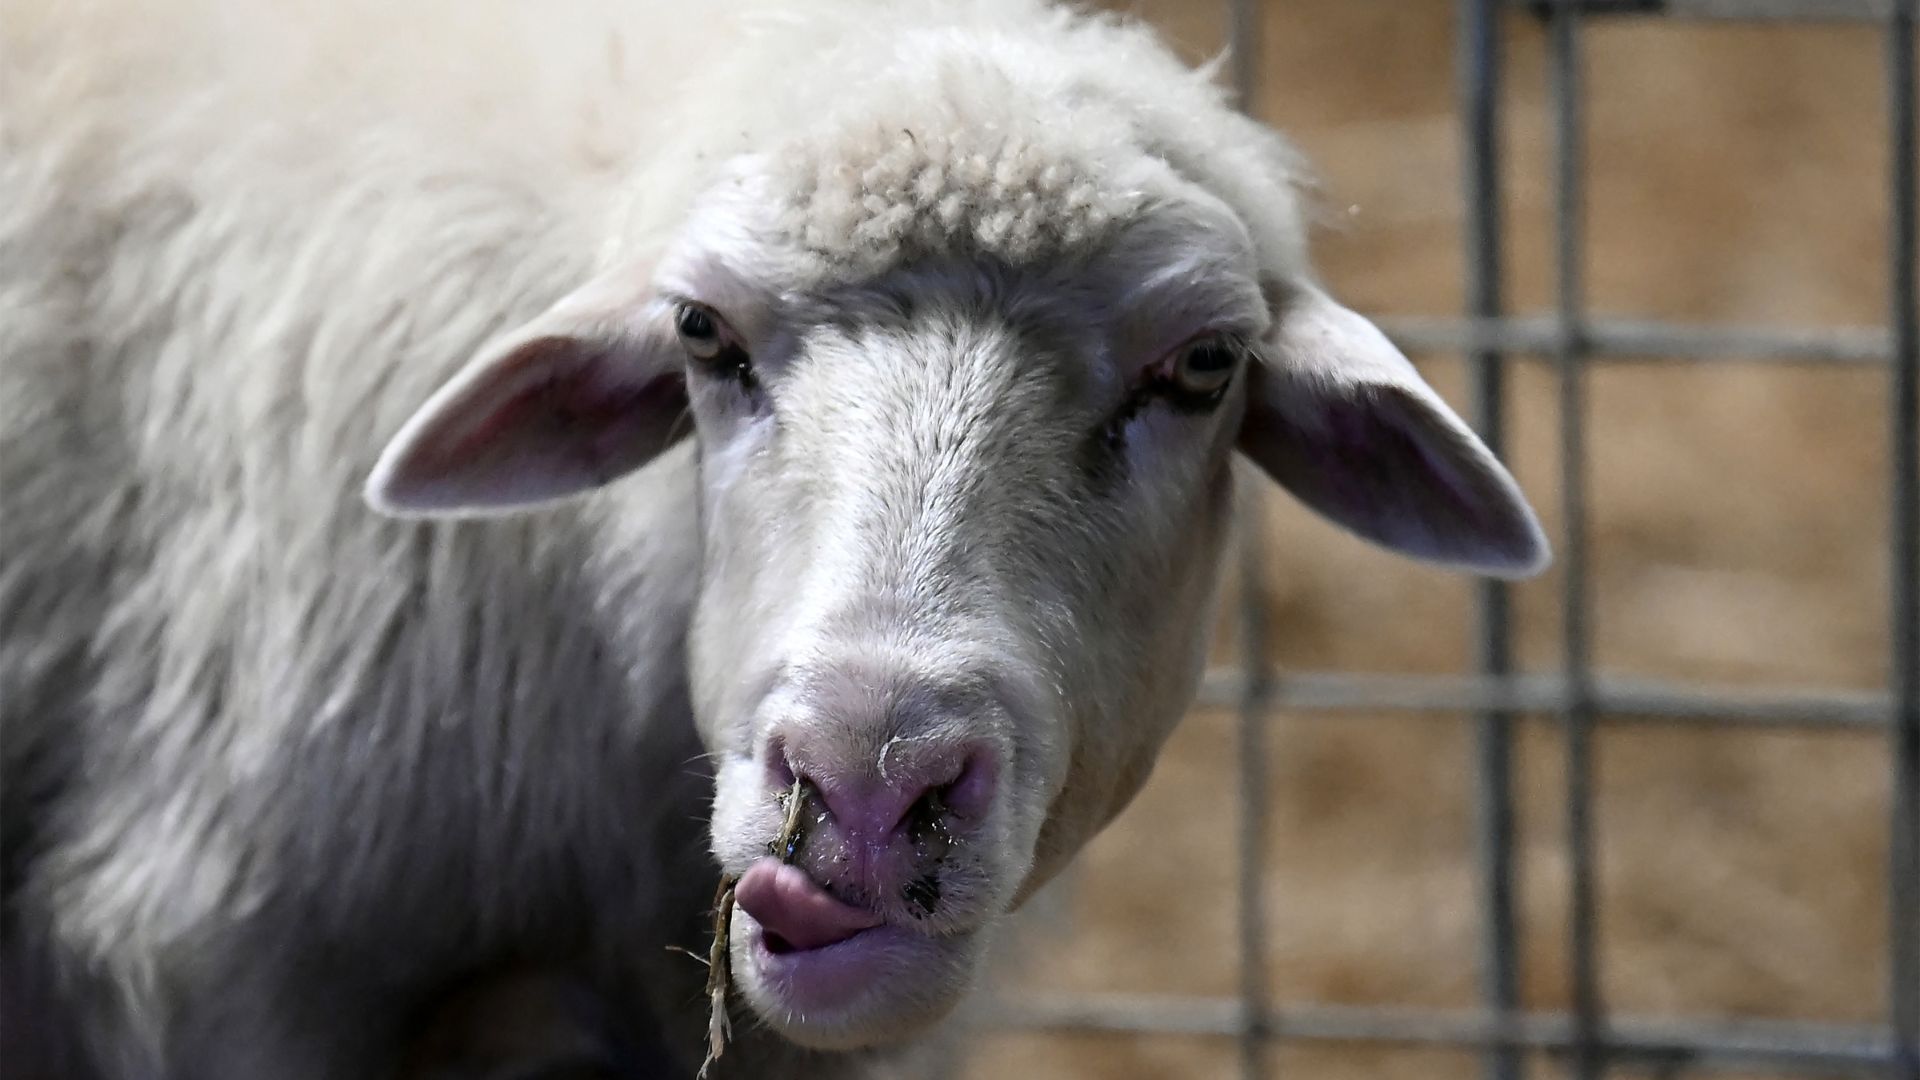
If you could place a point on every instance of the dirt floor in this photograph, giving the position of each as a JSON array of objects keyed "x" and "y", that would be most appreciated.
[{"x": 1737, "y": 174}]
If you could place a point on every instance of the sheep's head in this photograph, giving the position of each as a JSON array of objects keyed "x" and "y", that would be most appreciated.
[{"x": 966, "y": 397}]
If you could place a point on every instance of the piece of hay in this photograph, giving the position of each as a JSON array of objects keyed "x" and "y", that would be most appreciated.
[
  {"x": 787, "y": 844},
  {"x": 719, "y": 1025},
  {"x": 785, "y": 847}
]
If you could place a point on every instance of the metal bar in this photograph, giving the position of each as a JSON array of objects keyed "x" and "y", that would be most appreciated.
[
  {"x": 1244, "y": 41},
  {"x": 1614, "y": 699},
  {"x": 1254, "y": 701},
  {"x": 1478, "y": 61},
  {"x": 1588, "y": 1058},
  {"x": 1823, "y": 10},
  {"x": 1644, "y": 339},
  {"x": 1903, "y": 869},
  {"x": 1243, "y": 44},
  {"x": 1756, "y": 10},
  {"x": 1800, "y": 1048}
]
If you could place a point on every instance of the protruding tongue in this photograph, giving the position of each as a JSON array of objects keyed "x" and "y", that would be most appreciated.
[{"x": 788, "y": 904}]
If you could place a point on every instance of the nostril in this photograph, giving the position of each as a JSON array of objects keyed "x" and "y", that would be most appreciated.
[
  {"x": 780, "y": 771},
  {"x": 970, "y": 795},
  {"x": 924, "y": 784}
]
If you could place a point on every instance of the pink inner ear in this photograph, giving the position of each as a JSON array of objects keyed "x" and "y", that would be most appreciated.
[
  {"x": 1372, "y": 449},
  {"x": 636, "y": 422},
  {"x": 1383, "y": 464},
  {"x": 580, "y": 407},
  {"x": 557, "y": 417}
]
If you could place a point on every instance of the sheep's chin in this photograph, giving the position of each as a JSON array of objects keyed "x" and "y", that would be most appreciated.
[{"x": 879, "y": 987}]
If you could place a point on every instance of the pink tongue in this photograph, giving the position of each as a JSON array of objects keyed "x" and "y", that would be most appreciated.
[{"x": 785, "y": 901}]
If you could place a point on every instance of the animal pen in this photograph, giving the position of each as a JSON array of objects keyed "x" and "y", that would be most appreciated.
[{"x": 1588, "y": 1038}]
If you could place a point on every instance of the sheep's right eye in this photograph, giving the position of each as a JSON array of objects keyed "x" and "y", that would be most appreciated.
[
  {"x": 711, "y": 345},
  {"x": 699, "y": 330}
]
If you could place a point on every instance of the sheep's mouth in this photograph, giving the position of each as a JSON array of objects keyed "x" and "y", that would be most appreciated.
[
  {"x": 796, "y": 913},
  {"x": 832, "y": 974},
  {"x": 829, "y": 975},
  {"x": 878, "y": 984},
  {"x": 837, "y": 966}
]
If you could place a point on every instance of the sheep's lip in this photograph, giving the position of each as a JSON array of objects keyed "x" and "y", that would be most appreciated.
[
  {"x": 810, "y": 947},
  {"x": 848, "y": 993},
  {"x": 833, "y": 976},
  {"x": 794, "y": 912}
]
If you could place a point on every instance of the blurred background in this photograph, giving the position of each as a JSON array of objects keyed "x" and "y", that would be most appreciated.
[{"x": 1737, "y": 519}]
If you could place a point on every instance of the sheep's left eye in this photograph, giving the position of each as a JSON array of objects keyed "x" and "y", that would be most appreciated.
[{"x": 1203, "y": 368}]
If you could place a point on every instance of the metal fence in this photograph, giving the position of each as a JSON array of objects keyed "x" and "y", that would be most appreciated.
[{"x": 1587, "y": 1035}]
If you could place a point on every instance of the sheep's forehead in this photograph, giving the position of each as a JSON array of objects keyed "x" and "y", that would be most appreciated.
[
  {"x": 943, "y": 407},
  {"x": 859, "y": 201}
]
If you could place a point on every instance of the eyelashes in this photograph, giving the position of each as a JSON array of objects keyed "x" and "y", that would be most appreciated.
[
  {"x": 1193, "y": 378},
  {"x": 713, "y": 347}
]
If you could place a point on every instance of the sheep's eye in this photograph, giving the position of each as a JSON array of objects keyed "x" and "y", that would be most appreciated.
[
  {"x": 1202, "y": 368},
  {"x": 712, "y": 346},
  {"x": 1192, "y": 379},
  {"x": 699, "y": 330}
]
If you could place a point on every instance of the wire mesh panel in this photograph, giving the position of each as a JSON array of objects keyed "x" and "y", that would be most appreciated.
[{"x": 1591, "y": 1040}]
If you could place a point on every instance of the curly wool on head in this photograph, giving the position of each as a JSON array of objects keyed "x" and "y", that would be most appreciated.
[
  {"x": 1003, "y": 193},
  {"x": 1025, "y": 149},
  {"x": 960, "y": 143}
]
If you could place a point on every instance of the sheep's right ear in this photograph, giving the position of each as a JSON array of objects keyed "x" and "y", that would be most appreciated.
[{"x": 590, "y": 390}]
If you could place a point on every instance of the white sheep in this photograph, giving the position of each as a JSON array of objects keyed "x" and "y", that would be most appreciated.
[{"x": 970, "y": 304}]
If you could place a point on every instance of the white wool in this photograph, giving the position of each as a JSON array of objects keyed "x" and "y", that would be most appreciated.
[{"x": 1027, "y": 116}]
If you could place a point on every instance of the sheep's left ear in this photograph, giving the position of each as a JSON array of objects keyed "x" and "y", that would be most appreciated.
[
  {"x": 1339, "y": 417},
  {"x": 586, "y": 392}
]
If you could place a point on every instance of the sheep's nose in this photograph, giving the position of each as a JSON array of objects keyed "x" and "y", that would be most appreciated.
[{"x": 913, "y": 784}]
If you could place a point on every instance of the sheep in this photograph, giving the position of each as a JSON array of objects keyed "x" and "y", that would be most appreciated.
[{"x": 470, "y": 467}]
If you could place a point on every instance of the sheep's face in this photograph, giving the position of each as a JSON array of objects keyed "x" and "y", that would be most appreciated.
[
  {"x": 961, "y": 523},
  {"x": 964, "y": 488}
]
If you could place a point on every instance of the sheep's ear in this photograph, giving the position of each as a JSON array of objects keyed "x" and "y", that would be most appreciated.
[
  {"x": 585, "y": 393},
  {"x": 1338, "y": 416}
]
